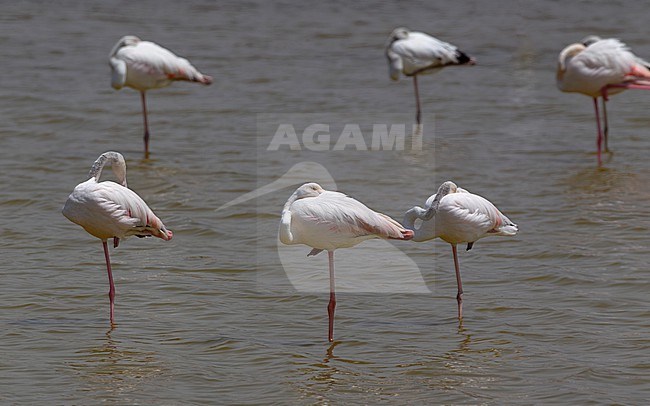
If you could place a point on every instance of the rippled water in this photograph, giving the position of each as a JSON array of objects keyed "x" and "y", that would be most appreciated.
[{"x": 557, "y": 314}]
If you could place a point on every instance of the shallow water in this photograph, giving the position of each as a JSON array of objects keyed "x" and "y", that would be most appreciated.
[{"x": 222, "y": 313}]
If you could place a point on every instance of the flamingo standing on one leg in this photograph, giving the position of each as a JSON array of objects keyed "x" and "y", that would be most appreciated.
[
  {"x": 327, "y": 220},
  {"x": 596, "y": 68},
  {"x": 144, "y": 65},
  {"x": 457, "y": 216},
  {"x": 589, "y": 40},
  {"x": 413, "y": 53},
  {"x": 110, "y": 210}
]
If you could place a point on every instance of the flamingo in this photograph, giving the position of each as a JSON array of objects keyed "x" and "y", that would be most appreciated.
[
  {"x": 589, "y": 40},
  {"x": 413, "y": 53},
  {"x": 597, "y": 68},
  {"x": 457, "y": 216},
  {"x": 144, "y": 65},
  {"x": 326, "y": 220},
  {"x": 110, "y": 210}
]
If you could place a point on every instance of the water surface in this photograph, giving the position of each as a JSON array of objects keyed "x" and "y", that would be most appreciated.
[{"x": 557, "y": 314}]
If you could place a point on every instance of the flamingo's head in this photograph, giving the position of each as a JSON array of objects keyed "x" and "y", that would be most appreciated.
[
  {"x": 447, "y": 188},
  {"x": 397, "y": 34},
  {"x": 125, "y": 41},
  {"x": 568, "y": 53},
  {"x": 311, "y": 189},
  {"x": 590, "y": 39}
]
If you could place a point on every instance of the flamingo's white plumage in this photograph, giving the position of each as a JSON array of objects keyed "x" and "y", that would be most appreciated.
[
  {"x": 598, "y": 68},
  {"x": 326, "y": 220},
  {"x": 144, "y": 65},
  {"x": 413, "y": 53},
  {"x": 111, "y": 210},
  {"x": 457, "y": 216}
]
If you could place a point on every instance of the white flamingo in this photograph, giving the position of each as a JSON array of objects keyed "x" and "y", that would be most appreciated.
[
  {"x": 413, "y": 53},
  {"x": 110, "y": 210},
  {"x": 144, "y": 65},
  {"x": 599, "y": 67},
  {"x": 589, "y": 40},
  {"x": 326, "y": 220},
  {"x": 457, "y": 216}
]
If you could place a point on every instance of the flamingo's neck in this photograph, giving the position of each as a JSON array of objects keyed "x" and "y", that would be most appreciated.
[
  {"x": 286, "y": 237},
  {"x": 426, "y": 230},
  {"x": 117, "y": 163}
]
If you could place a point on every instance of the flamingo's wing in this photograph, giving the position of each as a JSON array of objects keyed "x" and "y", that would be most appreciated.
[
  {"x": 607, "y": 60},
  {"x": 479, "y": 213},
  {"x": 130, "y": 210},
  {"x": 151, "y": 58},
  {"x": 108, "y": 210},
  {"x": 345, "y": 215},
  {"x": 421, "y": 51}
]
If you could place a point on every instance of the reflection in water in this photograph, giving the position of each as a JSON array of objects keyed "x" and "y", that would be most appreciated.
[
  {"x": 608, "y": 180},
  {"x": 330, "y": 352},
  {"x": 463, "y": 346},
  {"x": 607, "y": 156},
  {"x": 606, "y": 194},
  {"x": 467, "y": 346},
  {"x": 466, "y": 370},
  {"x": 416, "y": 139},
  {"x": 468, "y": 366},
  {"x": 321, "y": 378},
  {"x": 324, "y": 380},
  {"x": 113, "y": 369}
]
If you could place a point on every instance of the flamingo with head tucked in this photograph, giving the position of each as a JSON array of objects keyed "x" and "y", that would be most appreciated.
[
  {"x": 144, "y": 65},
  {"x": 111, "y": 210},
  {"x": 589, "y": 40},
  {"x": 413, "y": 53},
  {"x": 597, "y": 68},
  {"x": 326, "y": 220},
  {"x": 457, "y": 216}
]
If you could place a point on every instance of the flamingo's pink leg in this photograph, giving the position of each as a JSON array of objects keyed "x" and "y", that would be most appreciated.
[
  {"x": 459, "y": 295},
  {"x": 111, "y": 291},
  {"x": 638, "y": 85},
  {"x": 605, "y": 126},
  {"x": 417, "y": 100},
  {"x": 599, "y": 139},
  {"x": 146, "y": 125},
  {"x": 332, "y": 304}
]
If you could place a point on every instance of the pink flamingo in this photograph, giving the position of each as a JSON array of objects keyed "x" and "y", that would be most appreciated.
[
  {"x": 110, "y": 210},
  {"x": 457, "y": 216},
  {"x": 327, "y": 220},
  {"x": 144, "y": 65},
  {"x": 598, "y": 69},
  {"x": 413, "y": 53}
]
